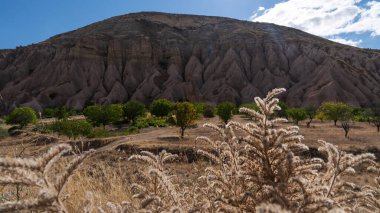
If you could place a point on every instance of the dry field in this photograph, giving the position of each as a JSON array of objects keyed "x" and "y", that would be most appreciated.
[{"x": 109, "y": 175}]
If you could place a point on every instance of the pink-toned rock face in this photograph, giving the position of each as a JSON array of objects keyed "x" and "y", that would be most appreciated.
[{"x": 146, "y": 56}]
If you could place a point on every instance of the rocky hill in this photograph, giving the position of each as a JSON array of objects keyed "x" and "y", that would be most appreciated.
[{"x": 145, "y": 56}]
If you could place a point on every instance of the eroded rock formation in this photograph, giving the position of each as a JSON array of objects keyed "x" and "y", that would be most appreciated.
[{"x": 182, "y": 57}]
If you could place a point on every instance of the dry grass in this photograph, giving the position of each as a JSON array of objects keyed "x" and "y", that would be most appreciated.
[{"x": 238, "y": 173}]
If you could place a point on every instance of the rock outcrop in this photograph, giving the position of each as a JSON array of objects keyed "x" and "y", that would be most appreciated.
[{"x": 145, "y": 56}]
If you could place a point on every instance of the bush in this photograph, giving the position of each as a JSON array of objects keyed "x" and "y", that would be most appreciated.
[
  {"x": 209, "y": 111},
  {"x": 132, "y": 129},
  {"x": 157, "y": 121},
  {"x": 297, "y": 114},
  {"x": 72, "y": 129},
  {"x": 49, "y": 113},
  {"x": 161, "y": 107},
  {"x": 60, "y": 113},
  {"x": 3, "y": 133},
  {"x": 103, "y": 115},
  {"x": 133, "y": 110},
  {"x": 225, "y": 111},
  {"x": 22, "y": 116},
  {"x": 98, "y": 133}
]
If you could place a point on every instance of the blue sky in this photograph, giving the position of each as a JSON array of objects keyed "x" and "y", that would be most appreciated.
[{"x": 23, "y": 22}]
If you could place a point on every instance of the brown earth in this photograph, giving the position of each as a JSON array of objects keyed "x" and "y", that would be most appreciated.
[{"x": 146, "y": 56}]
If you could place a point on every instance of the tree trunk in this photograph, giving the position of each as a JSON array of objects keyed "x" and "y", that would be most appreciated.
[
  {"x": 335, "y": 122},
  {"x": 182, "y": 132},
  {"x": 308, "y": 123}
]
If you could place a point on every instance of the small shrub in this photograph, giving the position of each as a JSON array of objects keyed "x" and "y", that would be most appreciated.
[
  {"x": 161, "y": 107},
  {"x": 3, "y": 133},
  {"x": 132, "y": 129},
  {"x": 22, "y": 116},
  {"x": 141, "y": 123},
  {"x": 157, "y": 121},
  {"x": 72, "y": 129},
  {"x": 99, "y": 133},
  {"x": 209, "y": 111},
  {"x": 225, "y": 111}
]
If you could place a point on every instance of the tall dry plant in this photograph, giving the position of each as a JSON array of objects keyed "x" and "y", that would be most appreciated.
[
  {"x": 40, "y": 173},
  {"x": 261, "y": 162},
  {"x": 256, "y": 167}
]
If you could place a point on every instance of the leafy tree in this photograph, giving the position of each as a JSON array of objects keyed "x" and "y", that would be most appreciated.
[
  {"x": 335, "y": 110},
  {"x": 311, "y": 112},
  {"x": 22, "y": 116},
  {"x": 103, "y": 115},
  {"x": 185, "y": 115},
  {"x": 225, "y": 111},
  {"x": 72, "y": 128},
  {"x": 133, "y": 109},
  {"x": 297, "y": 114},
  {"x": 161, "y": 107}
]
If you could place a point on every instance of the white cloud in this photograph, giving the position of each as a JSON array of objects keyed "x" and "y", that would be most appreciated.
[
  {"x": 324, "y": 17},
  {"x": 261, "y": 9},
  {"x": 347, "y": 41}
]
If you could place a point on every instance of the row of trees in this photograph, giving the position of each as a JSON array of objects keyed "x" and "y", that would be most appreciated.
[{"x": 185, "y": 113}]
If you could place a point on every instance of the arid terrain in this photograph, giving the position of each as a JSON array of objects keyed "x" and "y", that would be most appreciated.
[{"x": 109, "y": 175}]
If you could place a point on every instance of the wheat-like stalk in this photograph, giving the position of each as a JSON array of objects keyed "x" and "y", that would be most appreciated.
[{"x": 38, "y": 172}]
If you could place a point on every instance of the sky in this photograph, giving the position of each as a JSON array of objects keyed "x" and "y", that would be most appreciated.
[{"x": 352, "y": 22}]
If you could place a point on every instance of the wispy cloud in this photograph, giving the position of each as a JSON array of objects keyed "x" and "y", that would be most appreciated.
[
  {"x": 327, "y": 18},
  {"x": 354, "y": 43}
]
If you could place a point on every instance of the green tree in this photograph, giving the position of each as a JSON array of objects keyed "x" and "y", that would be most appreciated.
[
  {"x": 185, "y": 115},
  {"x": 297, "y": 114},
  {"x": 311, "y": 112},
  {"x": 225, "y": 111},
  {"x": 133, "y": 110},
  {"x": 103, "y": 115},
  {"x": 161, "y": 107},
  {"x": 22, "y": 117},
  {"x": 335, "y": 110}
]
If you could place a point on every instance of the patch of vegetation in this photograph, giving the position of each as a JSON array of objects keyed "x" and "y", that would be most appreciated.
[
  {"x": 22, "y": 117},
  {"x": 72, "y": 129},
  {"x": 103, "y": 115}
]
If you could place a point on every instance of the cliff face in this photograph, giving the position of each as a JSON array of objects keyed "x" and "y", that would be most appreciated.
[{"x": 145, "y": 56}]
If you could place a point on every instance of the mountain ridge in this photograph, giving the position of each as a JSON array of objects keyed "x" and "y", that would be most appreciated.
[{"x": 152, "y": 55}]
